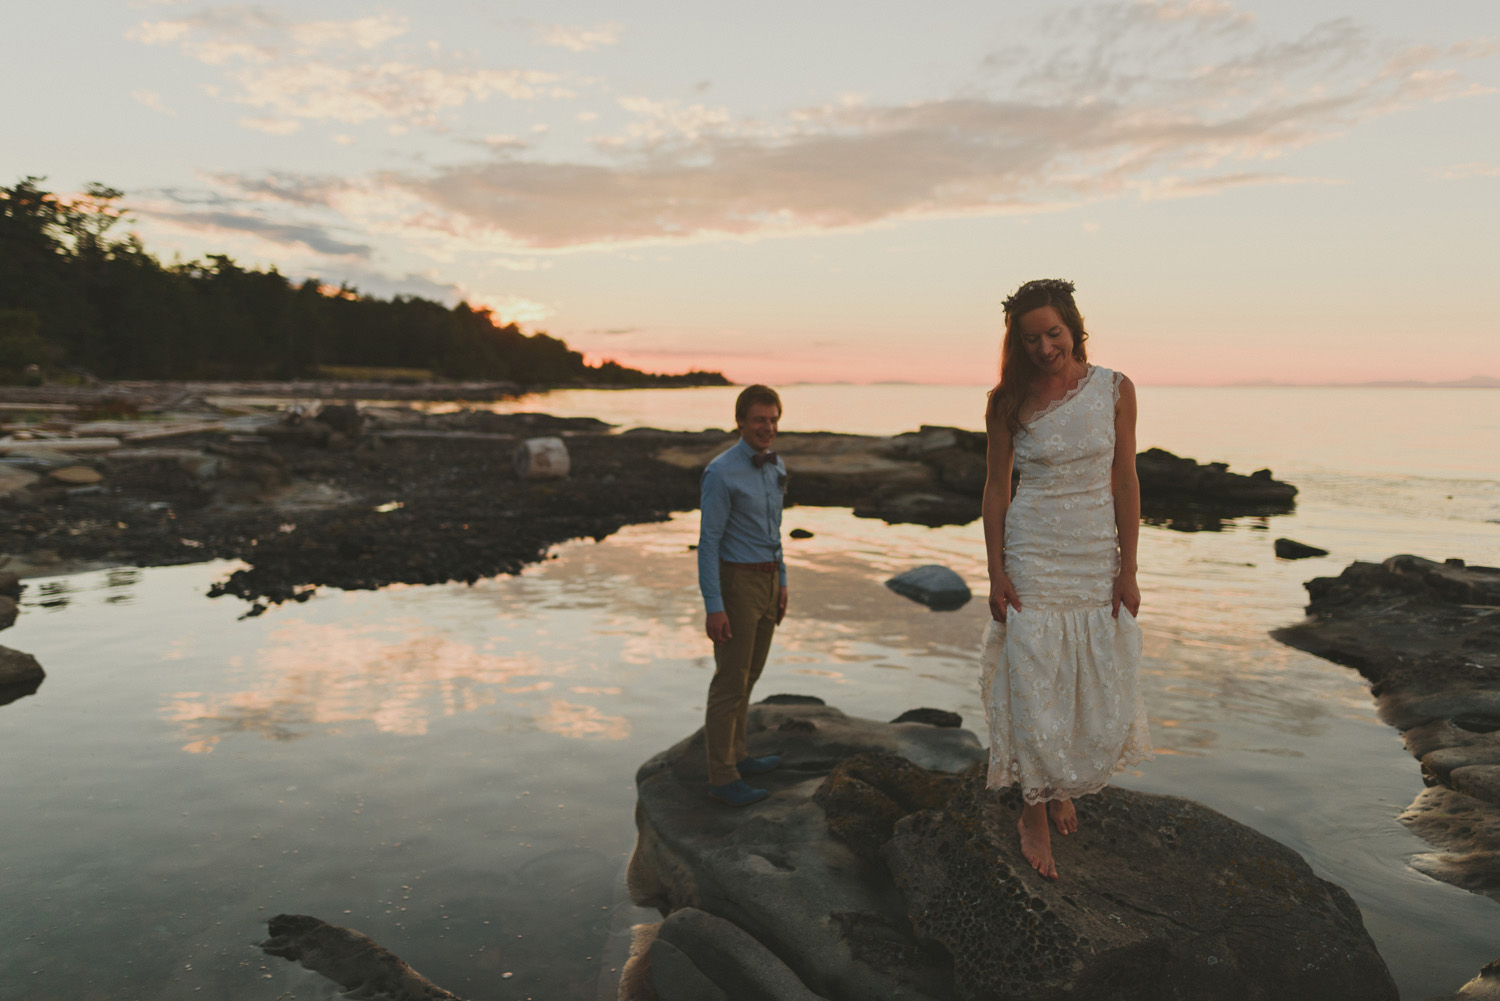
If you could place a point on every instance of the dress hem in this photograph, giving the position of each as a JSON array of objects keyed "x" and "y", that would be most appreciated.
[{"x": 1002, "y": 778}]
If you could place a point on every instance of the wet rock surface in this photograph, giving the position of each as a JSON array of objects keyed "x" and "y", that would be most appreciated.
[
  {"x": 881, "y": 867},
  {"x": 351, "y": 959},
  {"x": 20, "y": 675},
  {"x": 695, "y": 952},
  {"x": 1291, "y": 549},
  {"x": 417, "y": 499},
  {"x": 1159, "y": 897},
  {"x": 935, "y": 476},
  {"x": 360, "y": 497},
  {"x": 937, "y": 587},
  {"x": 1427, "y": 636}
]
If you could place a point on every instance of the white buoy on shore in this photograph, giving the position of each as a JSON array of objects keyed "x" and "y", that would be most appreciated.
[{"x": 542, "y": 459}]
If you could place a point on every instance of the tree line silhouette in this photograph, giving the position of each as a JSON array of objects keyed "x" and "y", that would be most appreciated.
[{"x": 76, "y": 299}]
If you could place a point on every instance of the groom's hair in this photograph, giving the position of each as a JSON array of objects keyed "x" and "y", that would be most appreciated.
[{"x": 750, "y": 396}]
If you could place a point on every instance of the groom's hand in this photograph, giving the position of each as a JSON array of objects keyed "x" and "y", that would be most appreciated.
[
  {"x": 717, "y": 627},
  {"x": 781, "y": 599}
]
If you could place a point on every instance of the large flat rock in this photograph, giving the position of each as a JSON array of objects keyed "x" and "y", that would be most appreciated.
[
  {"x": 772, "y": 870},
  {"x": 1159, "y": 897},
  {"x": 880, "y": 867}
]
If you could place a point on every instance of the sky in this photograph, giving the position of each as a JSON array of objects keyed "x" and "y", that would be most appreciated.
[{"x": 1276, "y": 190}]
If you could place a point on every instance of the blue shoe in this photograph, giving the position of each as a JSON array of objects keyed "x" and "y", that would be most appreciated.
[
  {"x": 737, "y": 793},
  {"x": 759, "y": 766}
]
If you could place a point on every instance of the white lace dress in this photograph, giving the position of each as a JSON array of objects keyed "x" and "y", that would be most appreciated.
[{"x": 1059, "y": 676}]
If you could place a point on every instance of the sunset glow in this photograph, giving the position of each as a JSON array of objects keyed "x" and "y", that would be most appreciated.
[{"x": 1253, "y": 191}]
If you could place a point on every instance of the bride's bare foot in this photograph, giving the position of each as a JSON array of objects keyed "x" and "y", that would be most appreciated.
[
  {"x": 1064, "y": 817},
  {"x": 1036, "y": 841}
]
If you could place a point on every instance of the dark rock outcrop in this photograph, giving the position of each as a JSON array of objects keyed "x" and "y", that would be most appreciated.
[
  {"x": 1427, "y": 636},
  {"x": 699, "y": 957},
  {"x": 1185, "y": 494},
  {"x": 936, "y": 476},
  {"x": 18, "y": 669},
  {"x": 1291, "y": 549},
  {"x": 932, "y": 717},
  {"x": 937, "y": 587},
  {"x": 393, "y": 495},
  {"x": 10, "y": 584},
  {"x": 1160, "y": 897},
  {"x": 1164, "y": 475},
  {"x": 772, "y": 869},
  {"x": 881, "y": 867},
  {"x": 351, "y": 959}
]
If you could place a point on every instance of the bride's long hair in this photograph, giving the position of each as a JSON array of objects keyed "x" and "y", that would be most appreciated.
[{"x": 1016, "y": 369}]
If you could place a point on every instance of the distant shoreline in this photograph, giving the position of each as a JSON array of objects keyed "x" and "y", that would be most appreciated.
[{"x": 1476, "y": 382}]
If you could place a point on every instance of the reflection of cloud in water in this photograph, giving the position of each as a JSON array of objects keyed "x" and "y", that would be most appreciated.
[
  {"x": 646, "y": 642},
  {"x": 816, "y": 673},
  {"x": 570, "y": 719},
  {"x": 395, "y": 675}
]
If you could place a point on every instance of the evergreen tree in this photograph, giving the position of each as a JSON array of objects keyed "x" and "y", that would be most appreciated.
[{"x": 75, "y": 297}]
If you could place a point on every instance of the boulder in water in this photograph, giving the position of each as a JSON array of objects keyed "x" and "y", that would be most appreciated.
[
  {"x": 17, "y": 668},
  {"x": 937, "y": 587},
  {"x": 1290, "y": 549}
]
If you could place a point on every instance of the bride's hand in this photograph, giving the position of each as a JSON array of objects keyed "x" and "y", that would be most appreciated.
[
  {"x": 1126, "y": 593},
  {"x": 1002, "y": 593}
]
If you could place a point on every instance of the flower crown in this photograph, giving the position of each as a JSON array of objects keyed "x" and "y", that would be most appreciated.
[{"x": 1041, "y": 288}]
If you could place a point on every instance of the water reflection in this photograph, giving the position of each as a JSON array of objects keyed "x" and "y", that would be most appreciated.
[
  {"x": 114, "y": 586},
  {"x": 10, "y": 693},
  {"x": 119, "y": 583},
  {"x": 396, "y": 675},
  {"x": 53, "y": 594},
  {"x": 1180, "y": 518},
  {"x": 581, "y": 722},
  {"x": 453, "y": 765},
  {"x": 568, "y": 646}
]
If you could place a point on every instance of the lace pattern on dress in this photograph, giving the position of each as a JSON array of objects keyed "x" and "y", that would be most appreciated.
[
  {"x": 1058, "y": 678},
  {"x": 1064, "y": 398}
]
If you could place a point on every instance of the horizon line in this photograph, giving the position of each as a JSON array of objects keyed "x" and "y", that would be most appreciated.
[{"x": 1473, "y": 382}]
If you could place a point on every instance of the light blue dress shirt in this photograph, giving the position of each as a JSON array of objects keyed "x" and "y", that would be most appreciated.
[{"x": 741, "y": 508}]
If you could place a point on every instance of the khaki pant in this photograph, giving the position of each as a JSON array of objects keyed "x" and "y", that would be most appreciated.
[{"x": 750, "y": 602}]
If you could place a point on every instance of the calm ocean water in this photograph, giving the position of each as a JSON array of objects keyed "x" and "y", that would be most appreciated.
[{"x": 450, "y": 769}]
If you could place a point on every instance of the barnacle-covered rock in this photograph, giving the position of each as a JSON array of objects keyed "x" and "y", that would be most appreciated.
[{"x": 1159, "y": 897}]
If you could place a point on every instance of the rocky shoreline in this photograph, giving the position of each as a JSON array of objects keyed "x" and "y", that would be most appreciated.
[
  {"x": 881, "y": 867},
  {"x": 1427, "y": 637},
  {"x": 360, "y": 497}
]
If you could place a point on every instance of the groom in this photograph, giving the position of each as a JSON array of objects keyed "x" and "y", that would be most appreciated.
[{"x": 742, "y": 575}]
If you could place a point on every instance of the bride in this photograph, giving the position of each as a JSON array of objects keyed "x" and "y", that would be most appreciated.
[{"x": 1060, "y": 658}]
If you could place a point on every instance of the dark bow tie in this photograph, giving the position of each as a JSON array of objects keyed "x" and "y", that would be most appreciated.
[{"x": 761, "y": 458}]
